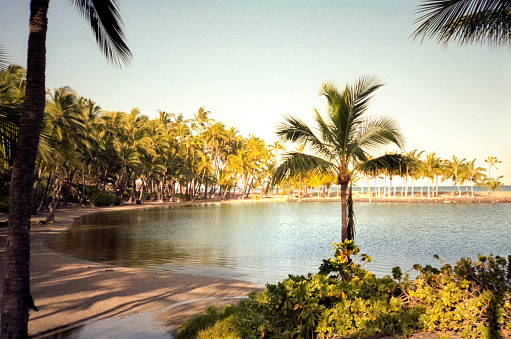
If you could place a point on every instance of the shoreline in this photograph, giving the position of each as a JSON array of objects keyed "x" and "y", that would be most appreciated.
[
  {"x": 71, "y": 292},
  {"x": 441, "y": 198}
]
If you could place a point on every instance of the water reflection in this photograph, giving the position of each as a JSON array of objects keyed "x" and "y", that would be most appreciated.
[{"x": 263, "y": 242}]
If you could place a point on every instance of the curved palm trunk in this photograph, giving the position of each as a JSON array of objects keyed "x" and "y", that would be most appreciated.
[{"x": 16, "y": 288}]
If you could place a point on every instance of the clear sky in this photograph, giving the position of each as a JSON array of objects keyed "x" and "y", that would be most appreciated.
[{"x": 251, "y": 62}]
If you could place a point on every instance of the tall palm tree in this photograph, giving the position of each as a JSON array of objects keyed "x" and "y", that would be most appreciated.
[
  {"x": 453, "y": 171},
  {"x": 492, "y": 161},
  {"x": 493, "y": 184},
  {"x": 342, "y": 140},
  {"x": 412, "y": 164},
  {"x": 432, "y": 164},
  {"x": 466, "y": 21},
  {"x": 472, "y": 174},
  {"x": 106, "y": 23}
]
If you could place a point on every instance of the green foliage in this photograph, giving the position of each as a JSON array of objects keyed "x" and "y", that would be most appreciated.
[
  {"x": 472, "y": 299},
  {"x": 211, "y": 325},
  {"x": 104, "y": 198}
]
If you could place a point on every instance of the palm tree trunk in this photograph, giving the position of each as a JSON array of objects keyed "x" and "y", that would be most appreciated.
[
  {"x": 43, "y": 206},
  {"x": 55, "y": 198},
  {"x": 36, "y": 189},
  {"x": 343, "y": 181},
  {"x": 16, "y": 288}
]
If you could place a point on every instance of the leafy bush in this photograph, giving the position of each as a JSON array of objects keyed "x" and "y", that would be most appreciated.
[
  {"x": 211, "y": 325},
  {"x": 471, "y": 299},
  {"x": 104, "y": 198}
]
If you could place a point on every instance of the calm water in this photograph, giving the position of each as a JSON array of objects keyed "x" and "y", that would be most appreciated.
[{"x": 264, "y": 242}]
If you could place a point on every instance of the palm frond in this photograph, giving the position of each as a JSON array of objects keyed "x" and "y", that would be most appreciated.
[
  {"x": 390, "y": 162},
  {"x": 295, "y": 130},
  {"x": 106, "y": 23},
  {"x": 465, "y": 21},
  {"x": 3, "y": 59},
  {"x": 346, "y": 109},
  {"x": 378, "y": 132},
  {"x": 9, "y": 123},
  {"x": 296, "y": 162}
]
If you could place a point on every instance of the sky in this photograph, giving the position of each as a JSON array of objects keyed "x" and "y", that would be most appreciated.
[{"x": 252, "y": 62}]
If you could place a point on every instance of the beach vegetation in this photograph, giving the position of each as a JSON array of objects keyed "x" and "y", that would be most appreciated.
[{"x": 471, "y": 299}]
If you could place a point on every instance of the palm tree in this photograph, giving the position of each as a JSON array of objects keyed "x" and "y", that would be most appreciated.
[
  {"x": 106, "y": 23},
  {"x": 491, "y": 163},
  {"x": 412, "y": 164},
  {"x": 472, "y": 174},
  {"x": 466, "y": 21},
  {"x": 344, "y": 138},
  {"x": 453, "y": 170},
  {"x": 493, "y": 184},
  {"x": 432, "y": 164}
]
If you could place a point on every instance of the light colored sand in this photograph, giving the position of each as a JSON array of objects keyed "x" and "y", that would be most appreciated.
[{"x": 70, "y": 291}]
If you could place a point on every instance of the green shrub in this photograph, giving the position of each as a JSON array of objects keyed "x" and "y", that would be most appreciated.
[
  {"x": 472, "y": 299},
  {"x": 211, "y": 325},
  {"x": 104, "y": 198}
]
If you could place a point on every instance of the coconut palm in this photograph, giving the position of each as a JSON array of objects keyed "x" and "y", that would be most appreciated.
[
  {"x": 433, "y": 165},
  {"x": 492, "y": 161},
  {"x": 466, "y": 21},
  {"x": 106, "y": 23},
  {"x": 412, "y": 164},
  {"x": 473, "y": 175},
  {"x": 493, "y": 184},
  {"x": 342, "y": 140},
  {"x": 453, "y": 170}
]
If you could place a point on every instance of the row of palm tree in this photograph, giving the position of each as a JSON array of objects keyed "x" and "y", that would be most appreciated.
[
  {"x": 168, "y": 156},
  {"x": 427, "y": 173},
  {"x": 431, "y": 171}
]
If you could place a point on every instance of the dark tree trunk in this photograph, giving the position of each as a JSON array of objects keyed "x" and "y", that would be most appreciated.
[
  {"x": 36, "y": 189},
  {"x": 343, "y": 182},
  {"x": 54, "y": 202},
  {"x": 16, "y": 288},
  {"x": 43, "y": 206}
]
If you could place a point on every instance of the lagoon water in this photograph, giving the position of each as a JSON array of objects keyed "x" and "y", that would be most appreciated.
[{"x": 264, "y": 242}]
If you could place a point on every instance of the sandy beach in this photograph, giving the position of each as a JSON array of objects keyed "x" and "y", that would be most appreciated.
[{"x": 70, "y": 292}]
